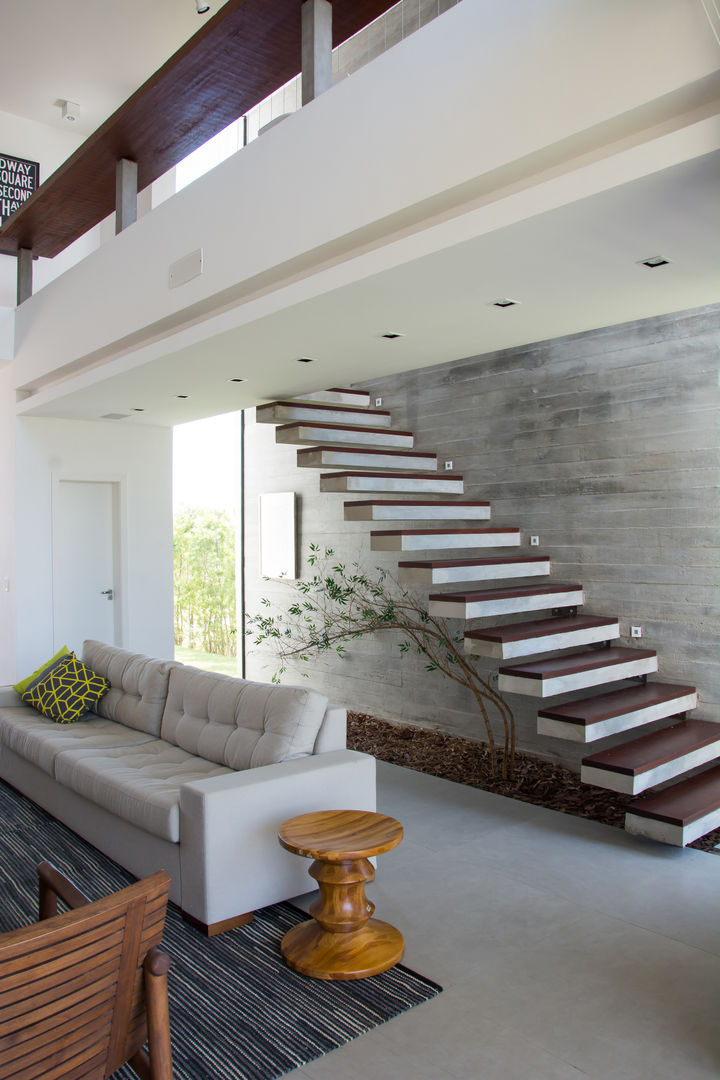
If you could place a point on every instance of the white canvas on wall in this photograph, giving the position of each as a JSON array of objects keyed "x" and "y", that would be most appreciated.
[{"x": 277, "y": 535}]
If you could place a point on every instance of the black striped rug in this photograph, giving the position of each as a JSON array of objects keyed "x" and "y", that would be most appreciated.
[{"x": 237, "y": 1013}]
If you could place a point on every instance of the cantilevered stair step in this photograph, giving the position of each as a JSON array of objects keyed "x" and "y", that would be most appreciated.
[
  {"x": 563, "y": 674},
  {"x": 442, "y": 539},
  {"x": 415, "y": 510},
  {"x": 483, "y": 602},
  {"x": 652, "y": 759},
  {"x": 338, "y": 395},
  {"x": 449, "y": 571},
  {"x": 542, "y": 635},
  {"x": 679, "y": 814},
  {"x": 284, "y": 412},
  {"x": 593, "y": 718},
  {"x": 421, "y": 483},
  {"x": 311, "y": 433},
  {"x": 364, "y": 457}
]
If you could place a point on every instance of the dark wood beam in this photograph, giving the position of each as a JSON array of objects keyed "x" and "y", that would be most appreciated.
[{"x": 239, "y": 57}]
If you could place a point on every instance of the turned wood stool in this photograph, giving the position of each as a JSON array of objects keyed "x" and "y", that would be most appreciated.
[{"x": 341, "y": 941}]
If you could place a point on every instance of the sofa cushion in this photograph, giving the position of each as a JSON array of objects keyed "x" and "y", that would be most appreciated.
[
  {"x": 39, "y": 741},
  {"x": 138, "y": 685},
  {"x": 140, "y": 784},
  {"x": 238, "y": 723},
  {"x": 66, "y": 691}
]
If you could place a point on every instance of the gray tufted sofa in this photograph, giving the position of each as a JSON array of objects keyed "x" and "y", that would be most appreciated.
[{"x": 191, "y": 772}]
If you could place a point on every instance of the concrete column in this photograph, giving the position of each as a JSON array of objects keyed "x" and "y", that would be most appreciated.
[
  {"x": 126, "y": 190},
  {"x": 24, "y": 274},
  {"x": 316, "y": 48}
]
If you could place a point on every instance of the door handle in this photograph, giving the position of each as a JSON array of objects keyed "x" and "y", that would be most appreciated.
[{"x": 107, "y": 592}]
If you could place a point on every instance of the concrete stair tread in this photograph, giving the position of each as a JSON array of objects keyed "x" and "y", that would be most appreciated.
[
  {"x": 684, "y": 802},
  {"x": 650, "y": 751},
  {"x": 385, "y": 475},
  {"x": 505, "y": 593},
  {"x": 540, "y": 628},
  {"x": 594, "y": 710},
  {"x": 512, "y": 559},
  {"x": 441, "y": 532},
  {"x": 341, "y": 428},
  {"x": 413, "y": 502},
  {"x": 355, "y": 455},
  {"x": 557, "y": 666},
  {"x": 361, "y": 397},
  {"x": 313, "y": 409}
]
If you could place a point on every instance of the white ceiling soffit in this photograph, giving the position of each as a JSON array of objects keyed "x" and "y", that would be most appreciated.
[{"x": 574, "y": 268}]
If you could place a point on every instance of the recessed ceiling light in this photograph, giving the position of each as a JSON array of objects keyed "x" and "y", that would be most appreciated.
[
  {"x": 654, "y": 261},
  {"x": 138, "y": 410},
  {"x": 305, "y": 359},
  {"x": 183, "y": 396},
  {"x": 114, "y": 416},
  {"x": 504, "y": 301},
  {"x": 235, "y": 380},
  {"x": 392, "y": 334}
]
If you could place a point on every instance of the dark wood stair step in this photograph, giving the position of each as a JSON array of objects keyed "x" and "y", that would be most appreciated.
[
  {"x": 439, "y": 508},
  {"x": 681, "y": 813},
  {"x": 588, "y": 719},
  {"x": 504, "y": 593},
  {"x": 653, "y": 759},
  {"x": 540, "y": 635},
  {"x": 561, "y": 675}
]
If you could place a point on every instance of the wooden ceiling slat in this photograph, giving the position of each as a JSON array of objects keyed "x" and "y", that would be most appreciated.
[{"x": 239, "y": 57}]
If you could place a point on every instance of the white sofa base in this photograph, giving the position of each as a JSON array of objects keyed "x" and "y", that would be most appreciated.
[{"x": 229, "y": 861}]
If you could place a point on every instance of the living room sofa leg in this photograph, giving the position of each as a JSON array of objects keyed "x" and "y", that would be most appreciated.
[{"x": 211, "y": 929}]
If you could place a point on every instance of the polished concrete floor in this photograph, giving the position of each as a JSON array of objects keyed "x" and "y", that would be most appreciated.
[{"x": 566, "y": 949}]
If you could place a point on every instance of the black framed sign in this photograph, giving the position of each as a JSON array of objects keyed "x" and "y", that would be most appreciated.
[{"x": 18, "y": 180}]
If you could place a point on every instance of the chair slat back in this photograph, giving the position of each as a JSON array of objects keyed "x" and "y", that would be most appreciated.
[{"x": 71, "y": 987}]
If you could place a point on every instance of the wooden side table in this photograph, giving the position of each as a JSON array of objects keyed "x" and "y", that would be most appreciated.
[{"x": 341, "y": 941}]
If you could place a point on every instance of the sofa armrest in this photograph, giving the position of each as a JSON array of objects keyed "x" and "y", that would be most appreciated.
[
  {"x": 333, "y": 730},
  {"x": 230, "y": 859},
  {"x": 9, "y": 697}
]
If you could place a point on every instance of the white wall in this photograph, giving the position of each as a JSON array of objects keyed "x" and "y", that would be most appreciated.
[
  {"x": 7, "y": 535},
  {"x": 50, "y": 146},
  {"x": 140, "y": 458},
  {"x": 511, "y": 85}
]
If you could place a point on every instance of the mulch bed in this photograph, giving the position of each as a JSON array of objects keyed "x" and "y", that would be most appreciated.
[{"x": 466, "y": 762}]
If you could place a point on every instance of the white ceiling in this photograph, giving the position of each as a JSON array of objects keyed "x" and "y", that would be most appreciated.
[
  {"x": 574, "y": 268},
  {"x": 93, "y": 52}
]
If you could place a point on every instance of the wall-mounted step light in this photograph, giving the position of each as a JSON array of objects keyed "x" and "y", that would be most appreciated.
[{"x": 654, "y": 261}]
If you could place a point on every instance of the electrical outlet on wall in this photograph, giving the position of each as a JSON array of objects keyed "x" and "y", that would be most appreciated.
[
  {"x": 534, "y": 541},
  {"x": 378, "y": 402},
  {"x": 636, "y": 631},
  {"x": 448, "y": 466}
]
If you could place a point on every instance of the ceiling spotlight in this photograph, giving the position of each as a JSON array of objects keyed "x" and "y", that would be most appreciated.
[
  {"x": 235, "y": 380},
  {"x": 504, "y": 301},
  {"x": 70, "y": 111},
  {"x": 200, "y": 7},
  {"x": 654, "y": 261},
  {"x": 392, "y": 334},
  {"x": 305, "y": 359},
  {"x": 182, "y": 396}
]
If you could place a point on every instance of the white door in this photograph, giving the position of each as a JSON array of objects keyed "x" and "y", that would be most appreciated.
[{"x": 84, "y": 563}]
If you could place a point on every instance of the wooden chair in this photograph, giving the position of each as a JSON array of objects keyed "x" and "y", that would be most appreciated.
[{"x": 80, "y": 992}]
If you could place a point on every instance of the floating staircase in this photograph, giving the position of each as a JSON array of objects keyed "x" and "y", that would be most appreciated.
[{"x": 337, "y": 429}]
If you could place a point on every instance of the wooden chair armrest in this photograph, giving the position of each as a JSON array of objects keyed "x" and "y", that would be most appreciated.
[{"x": 53, "y": 884}]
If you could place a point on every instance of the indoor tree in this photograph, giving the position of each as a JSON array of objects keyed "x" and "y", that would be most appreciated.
[{"x": 340, "y": 603}]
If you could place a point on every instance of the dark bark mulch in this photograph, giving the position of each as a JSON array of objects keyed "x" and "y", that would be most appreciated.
[{"x": 466, "y": 762}]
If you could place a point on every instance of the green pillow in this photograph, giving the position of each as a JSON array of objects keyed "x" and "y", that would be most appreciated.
[
  {"x": 67, "y": 691},
  {"x": 22, "y": 686}
]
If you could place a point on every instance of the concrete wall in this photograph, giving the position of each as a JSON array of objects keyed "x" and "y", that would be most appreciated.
[
  {"x": 604, "y": 444},
  {"x": 140, "y": 459}
]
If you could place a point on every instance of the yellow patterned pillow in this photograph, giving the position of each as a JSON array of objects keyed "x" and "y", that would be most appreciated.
[{"x": 67, "y": 691}]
